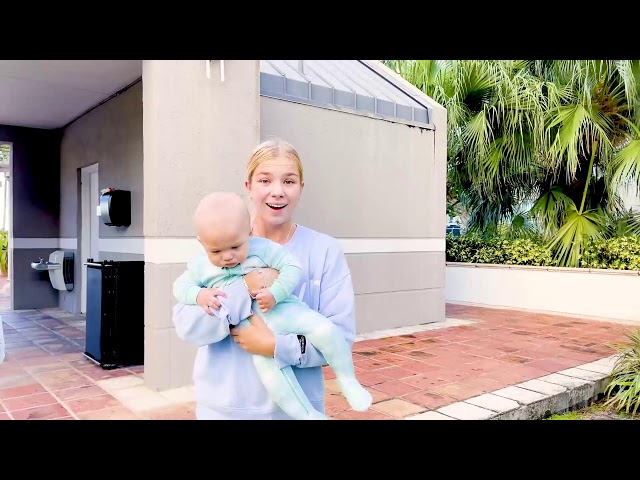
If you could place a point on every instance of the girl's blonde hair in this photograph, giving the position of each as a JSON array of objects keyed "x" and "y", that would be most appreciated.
[{"x": 269, "y": 150}]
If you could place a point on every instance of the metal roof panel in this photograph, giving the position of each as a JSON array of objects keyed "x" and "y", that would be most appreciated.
[{"x": 350, "y": 84}]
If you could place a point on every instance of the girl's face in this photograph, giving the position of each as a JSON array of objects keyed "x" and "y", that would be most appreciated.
[{"x": 275, "y": 189}]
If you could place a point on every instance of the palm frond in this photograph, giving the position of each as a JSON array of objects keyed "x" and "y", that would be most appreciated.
[
  {"x": 477, "y": 134},
  {"x": 571, "y": 238},
  {"x": 421, "y": 73},
  {"x": 550, "y": 207},
  {"x": 520, "y": 225},
  {"x": 575, "y": 129},
  {"x": 624, "y": 225},
  {"x": 486, "y": 214},
  {"x": 625, "y": 167}
]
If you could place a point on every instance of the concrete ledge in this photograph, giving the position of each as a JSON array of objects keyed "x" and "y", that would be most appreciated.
[
  {"x": 466, "y": 411},
  {"x": 534, "y": 399},
  {"x": 494, "y": 403},
  {"x": 466, "y": 284},
  {"x": 430, "y": 416}
]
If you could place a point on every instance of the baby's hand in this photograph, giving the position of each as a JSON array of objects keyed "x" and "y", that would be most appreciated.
[
  {"x": 207, "y": 299},
  {"x": 265, "y": 299}
]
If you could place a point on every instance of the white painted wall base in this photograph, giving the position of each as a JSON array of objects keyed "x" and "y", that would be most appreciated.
[{"x": 612, "y": 294}]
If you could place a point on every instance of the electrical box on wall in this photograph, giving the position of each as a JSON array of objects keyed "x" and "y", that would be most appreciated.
[{"x": 115, "y": 208}]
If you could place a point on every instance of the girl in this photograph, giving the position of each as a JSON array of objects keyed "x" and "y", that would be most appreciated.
[{"x": 225, "y": 381}]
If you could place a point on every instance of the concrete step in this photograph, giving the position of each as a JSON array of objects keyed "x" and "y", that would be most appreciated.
[{"x": 534, "y": 399}]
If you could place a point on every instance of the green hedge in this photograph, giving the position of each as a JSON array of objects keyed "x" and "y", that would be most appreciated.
[
  {"x": 621, "y": 253},
  {"x": 494, "y": 250}
]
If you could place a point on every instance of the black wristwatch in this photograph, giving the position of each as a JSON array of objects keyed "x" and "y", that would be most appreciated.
[{"x": 303, "y": 343}]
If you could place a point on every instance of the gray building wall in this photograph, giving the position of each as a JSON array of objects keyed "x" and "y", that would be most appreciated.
[
  {"x": 198, "y": 133},
  {"x": 35, "y": 188},
  {"x": 375, "y": 178},
  {"x": 110, "y": 135},
  {"x": 372, "y": 179}
]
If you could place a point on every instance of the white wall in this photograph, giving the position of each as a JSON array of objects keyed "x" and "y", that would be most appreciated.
[{"x": 613, "y": 294}]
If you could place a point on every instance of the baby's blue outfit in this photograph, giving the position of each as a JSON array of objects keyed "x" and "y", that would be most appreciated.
[{"x": 289, "y": 315}]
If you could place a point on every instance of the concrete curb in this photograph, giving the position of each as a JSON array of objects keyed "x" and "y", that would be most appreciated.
[{"x": 534, "y": 399}]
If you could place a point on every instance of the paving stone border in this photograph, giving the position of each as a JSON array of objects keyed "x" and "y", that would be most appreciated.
[{"x": 534, "y": 399}]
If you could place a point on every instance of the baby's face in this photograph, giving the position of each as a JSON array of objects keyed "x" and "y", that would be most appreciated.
[{"x": 226, "y": 248}]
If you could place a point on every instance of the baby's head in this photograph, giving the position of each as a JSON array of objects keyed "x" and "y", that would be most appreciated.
[{"x": 223, "y": 227}]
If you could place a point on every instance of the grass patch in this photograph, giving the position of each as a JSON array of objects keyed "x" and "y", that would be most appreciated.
[
  {"x": 574, "y": 415},
  {"x": 598, "y": 410}
]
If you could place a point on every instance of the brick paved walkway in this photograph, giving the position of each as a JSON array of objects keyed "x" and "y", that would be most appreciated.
[{"x": 418, "y": 369}]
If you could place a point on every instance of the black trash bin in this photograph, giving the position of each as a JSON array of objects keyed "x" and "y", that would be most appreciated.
[{"x": 115, "y": 313}]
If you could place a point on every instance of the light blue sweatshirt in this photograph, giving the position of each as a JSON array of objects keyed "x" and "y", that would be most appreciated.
[{"x": 225, "y": 380}]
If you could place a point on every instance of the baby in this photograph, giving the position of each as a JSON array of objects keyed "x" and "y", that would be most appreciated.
[{"x": 223, "y": 227}]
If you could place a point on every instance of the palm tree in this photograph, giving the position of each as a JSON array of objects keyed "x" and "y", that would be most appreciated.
[{"x": 549, "y": 141}]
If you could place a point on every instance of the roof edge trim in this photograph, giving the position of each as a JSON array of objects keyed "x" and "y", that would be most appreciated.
[{"x": 352, "y": 111}]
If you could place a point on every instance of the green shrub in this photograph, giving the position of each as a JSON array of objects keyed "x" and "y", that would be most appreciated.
[
  {"x": 620, "y": 253},
  {"x": 475, "y": 249},
  {"x": 463, "y": 248},
  {"x": 526, "y": 252},
  {"x": 623, "y": 390}
]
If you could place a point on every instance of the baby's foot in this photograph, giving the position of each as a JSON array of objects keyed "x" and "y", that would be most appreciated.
[{"x": 359, "y": 399}]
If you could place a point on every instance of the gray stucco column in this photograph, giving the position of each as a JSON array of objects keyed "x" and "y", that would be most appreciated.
[{"x": 198, "y": 134}]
